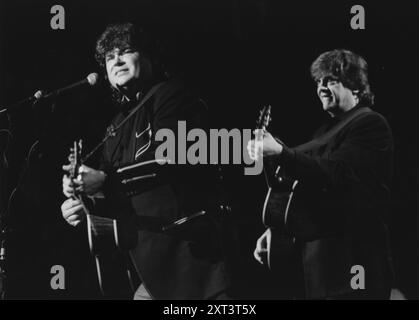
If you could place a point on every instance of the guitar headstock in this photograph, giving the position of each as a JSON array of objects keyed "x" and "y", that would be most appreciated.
[
  {"x": 75, "y": 159},
  {"x": 264, "y": 118}
]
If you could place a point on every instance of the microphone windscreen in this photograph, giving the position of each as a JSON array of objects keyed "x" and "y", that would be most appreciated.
[{"x": 93, "y": 78}]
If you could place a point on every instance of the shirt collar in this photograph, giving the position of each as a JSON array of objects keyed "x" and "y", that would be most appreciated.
[{"x": 138, "y": 95}]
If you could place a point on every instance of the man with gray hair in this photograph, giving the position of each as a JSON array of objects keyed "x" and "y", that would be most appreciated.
[{"x": 337, "y": 217}]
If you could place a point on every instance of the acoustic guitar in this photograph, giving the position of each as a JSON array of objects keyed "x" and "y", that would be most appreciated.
[
  {"x": 107, "y": 242},
  {"x": 280, "y": 256}
]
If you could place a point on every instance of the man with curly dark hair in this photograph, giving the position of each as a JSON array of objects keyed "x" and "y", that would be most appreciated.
[
  {"x": 126, "y": 38},
  {"x": 172, "y": 263},
  {"x": 336, "y": 221}
]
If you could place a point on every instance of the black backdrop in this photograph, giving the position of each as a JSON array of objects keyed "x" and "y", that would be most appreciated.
[{"x": 239, "y": 55}]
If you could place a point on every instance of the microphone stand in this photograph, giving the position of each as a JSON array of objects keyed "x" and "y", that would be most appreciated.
[
  {"x": 5, "y": 209},
  {"x": 3, "y": 233}
]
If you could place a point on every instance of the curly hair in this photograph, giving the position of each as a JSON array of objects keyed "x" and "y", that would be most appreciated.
[
  {"x": 126, "y": 35},
  {"x": 349, "y": 68}
]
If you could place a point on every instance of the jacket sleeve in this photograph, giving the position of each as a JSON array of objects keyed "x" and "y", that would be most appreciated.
[
  {"x": 347, "y": 187},
  {"x": 361, "y": 154}
]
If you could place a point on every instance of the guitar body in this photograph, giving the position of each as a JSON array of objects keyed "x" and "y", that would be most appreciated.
[
  {"x": 281, "y": 254},
  {"x": 109, "y": 242},
  {"x": 275, "y": 208},
  {"x": 117, "y": 278},
  {"x": 275, "y": 214}
]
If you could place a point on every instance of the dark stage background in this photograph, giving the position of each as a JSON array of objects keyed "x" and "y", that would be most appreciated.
[{"x": 239, "y": 55}]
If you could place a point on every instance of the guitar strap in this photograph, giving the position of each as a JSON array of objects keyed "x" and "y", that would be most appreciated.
[
  {"x": 149, "y": 94},
  {"x": 325, "y": 138},
  {"x": 111, "y": 131}
]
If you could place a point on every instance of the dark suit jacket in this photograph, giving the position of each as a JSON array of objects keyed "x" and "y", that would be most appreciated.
[
  {"x": 339, "y": 210},
  {"x": 176, "y": 264}
]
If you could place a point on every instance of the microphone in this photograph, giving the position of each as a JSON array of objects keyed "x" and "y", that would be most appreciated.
[
  {"x": 92, "y": 79},
  {"x": 32, "y": 99}
]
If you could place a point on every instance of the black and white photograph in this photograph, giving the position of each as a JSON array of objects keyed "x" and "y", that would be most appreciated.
[{"x": 225, "y": 151}]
